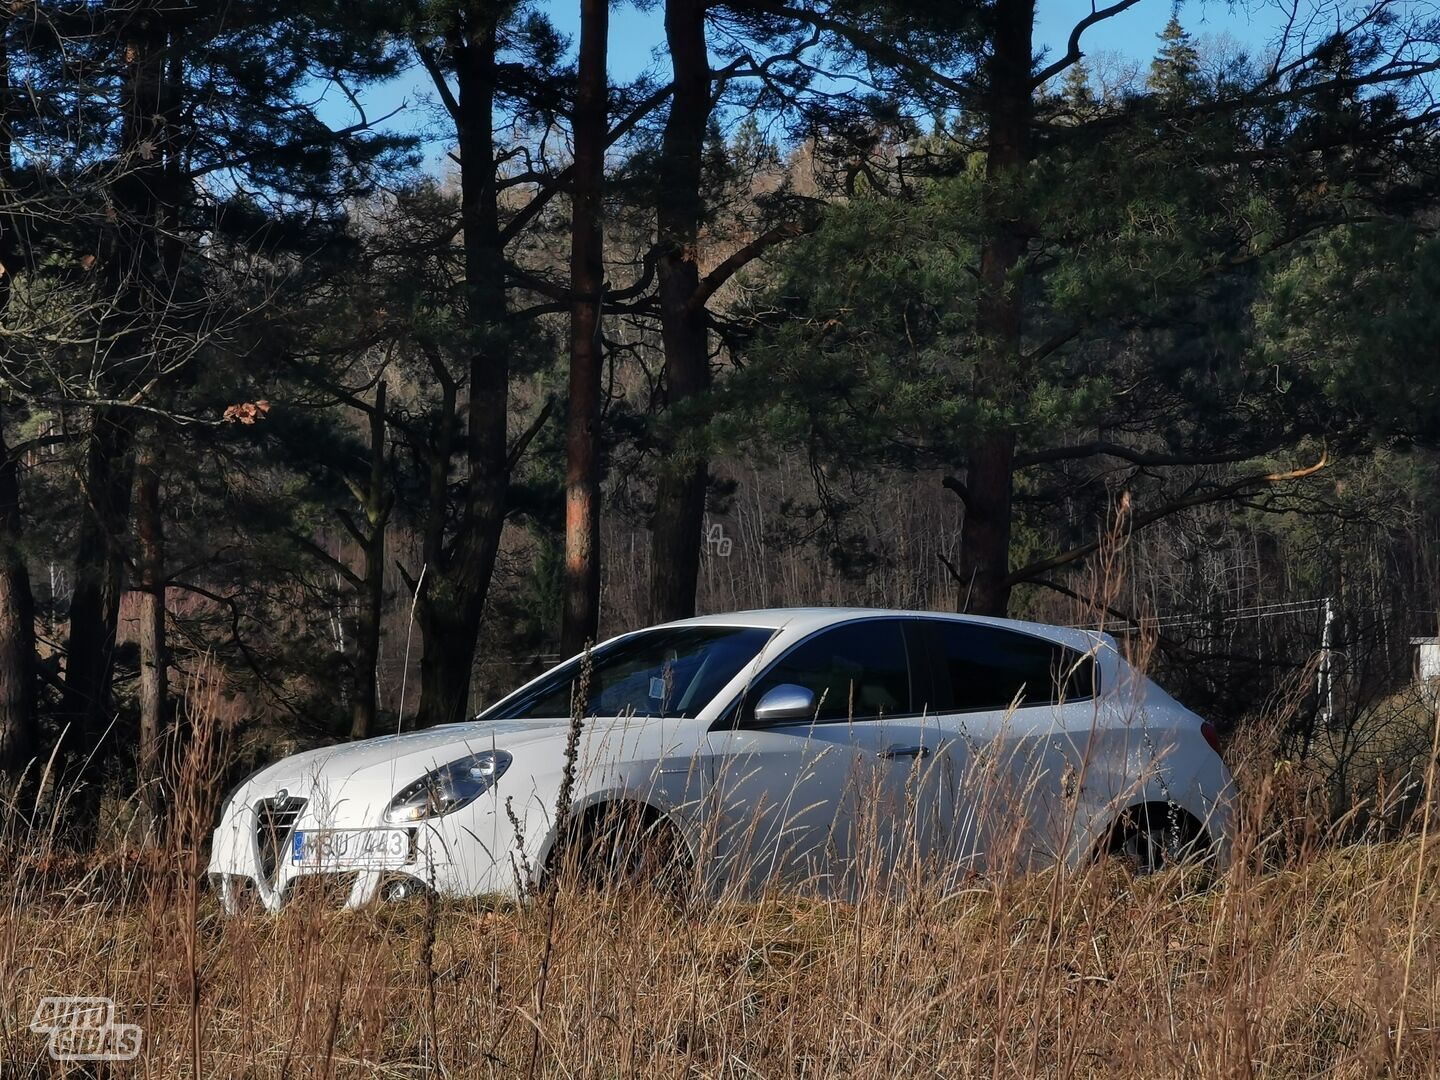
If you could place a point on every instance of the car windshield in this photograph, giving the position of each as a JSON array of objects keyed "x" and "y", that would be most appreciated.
[{"x": 668, "y": 672}]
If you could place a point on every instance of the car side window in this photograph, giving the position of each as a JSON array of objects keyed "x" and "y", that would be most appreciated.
[
  {"x": 988, "y": 668},
  {"x": 858, "y": 671}
]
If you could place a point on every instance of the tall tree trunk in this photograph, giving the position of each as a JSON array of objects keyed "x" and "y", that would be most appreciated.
[
  {"x": 372, "y": 600},
  {"x": 106, "y": 481},
  {"x": 131, "y": 265},
  {"x": 166, "y": 253},
  {"x": 154, "y": 650},
  {"x": 581, "y": 617},
  {"x": 17, "y": 602},
  {"x": 457, "y": 573},
  {"x": 17, "y": 628},
  {"x": 985, "y": 535},
  {"x": 680, "y": 483},
  {"x": 984, "y": 562},
  {"x": 445, "y": 666}
]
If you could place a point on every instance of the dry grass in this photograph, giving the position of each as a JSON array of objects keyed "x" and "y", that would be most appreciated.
[
  {"x": 1303, "y": 958},
  {"x": 1298, "y": 970}
]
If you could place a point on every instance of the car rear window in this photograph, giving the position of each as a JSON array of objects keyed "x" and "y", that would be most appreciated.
[{"x": 988, "y": 667}]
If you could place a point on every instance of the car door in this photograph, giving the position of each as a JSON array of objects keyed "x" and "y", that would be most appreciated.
[
  {"x": 1016, "y": 713},
  {"x": 844, "y": 794}
]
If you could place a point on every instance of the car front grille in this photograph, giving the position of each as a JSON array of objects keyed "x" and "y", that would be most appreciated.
[{"x": 274, "y": 825}]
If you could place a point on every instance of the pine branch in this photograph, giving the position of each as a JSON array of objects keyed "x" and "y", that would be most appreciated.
[
  {"x": 1141, "y": 521},
  {"x": 528, "y": 436},
  {"x": 955, "y": 484},
  {"x": 563, "y": 178},
  {"x": 1103, "y": 448},
  {"x": 442, "y": 87},
  {"x": 867, "y": 43},
  {"x": 713, "y": 281},
  {"x": 315, "y": 551}
]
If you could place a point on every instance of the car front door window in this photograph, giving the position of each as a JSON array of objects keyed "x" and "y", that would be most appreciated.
[{"x": 858, "y": 671}]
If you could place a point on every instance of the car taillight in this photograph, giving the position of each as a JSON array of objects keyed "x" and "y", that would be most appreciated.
[{"x": 1212, "y": 736}]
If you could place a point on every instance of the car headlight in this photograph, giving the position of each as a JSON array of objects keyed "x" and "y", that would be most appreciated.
[{"x": 448, "y": 788}]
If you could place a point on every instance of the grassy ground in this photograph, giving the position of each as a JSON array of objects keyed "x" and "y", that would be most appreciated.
[
  {"x": 1303, "y": 958},
  {"x": 1325, "y": 966}
]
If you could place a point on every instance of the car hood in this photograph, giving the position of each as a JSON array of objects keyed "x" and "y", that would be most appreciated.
[
  {"x": 417, "y": 751},
  {"x": 374, "y": 769}
]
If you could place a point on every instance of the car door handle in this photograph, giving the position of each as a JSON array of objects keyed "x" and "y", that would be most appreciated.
[{"x": 892, "y": 752}]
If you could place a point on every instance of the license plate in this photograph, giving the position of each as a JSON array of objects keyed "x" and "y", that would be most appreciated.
[{"x": 353, "y": 848}]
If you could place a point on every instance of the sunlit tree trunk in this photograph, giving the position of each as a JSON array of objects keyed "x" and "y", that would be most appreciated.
[{"x": 587, "y": 274}]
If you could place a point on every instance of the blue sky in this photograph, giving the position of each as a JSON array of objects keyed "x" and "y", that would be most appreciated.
[{"x": 636, "y": 36}]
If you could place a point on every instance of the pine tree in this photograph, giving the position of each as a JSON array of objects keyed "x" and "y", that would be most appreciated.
[
  {"x": 462, "y": 47},
  {"x": 1175, "y": 72},
  {"x": 980, "y": 311},
  {"x": 679, "y": 514},
  {"x": 590, "y": 125},
  {"x": 699, "y": 179},
  {"x": 186, "y": 122},
  {"x": 1076, "y": 92}
]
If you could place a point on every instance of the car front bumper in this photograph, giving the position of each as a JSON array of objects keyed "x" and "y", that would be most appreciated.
[{"x": 470, "y": 853}]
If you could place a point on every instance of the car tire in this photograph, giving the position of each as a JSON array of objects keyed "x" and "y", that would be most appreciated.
[
  {"x": 617, "y": 848},
  {"x": 1153, "y": 837}
]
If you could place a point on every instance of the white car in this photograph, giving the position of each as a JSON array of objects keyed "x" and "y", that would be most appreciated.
[{"x": 807, "y": 746}]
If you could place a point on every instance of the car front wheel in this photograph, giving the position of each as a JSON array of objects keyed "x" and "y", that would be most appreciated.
[{"x": 617, "y": 848}]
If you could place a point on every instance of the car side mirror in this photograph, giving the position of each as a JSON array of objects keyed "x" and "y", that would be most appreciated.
[{"x": 785, "y": 702}]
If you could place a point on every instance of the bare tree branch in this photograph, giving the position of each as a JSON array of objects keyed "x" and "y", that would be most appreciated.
[{"x": 1072, "y": 49}]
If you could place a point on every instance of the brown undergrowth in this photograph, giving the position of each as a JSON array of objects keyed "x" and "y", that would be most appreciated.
[
  {"x": 1305, "y": 956},
  {"x": 1295, "y": 969}
]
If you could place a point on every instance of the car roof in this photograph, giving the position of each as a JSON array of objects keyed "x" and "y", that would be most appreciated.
[{"x": 809, "y": 619}]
